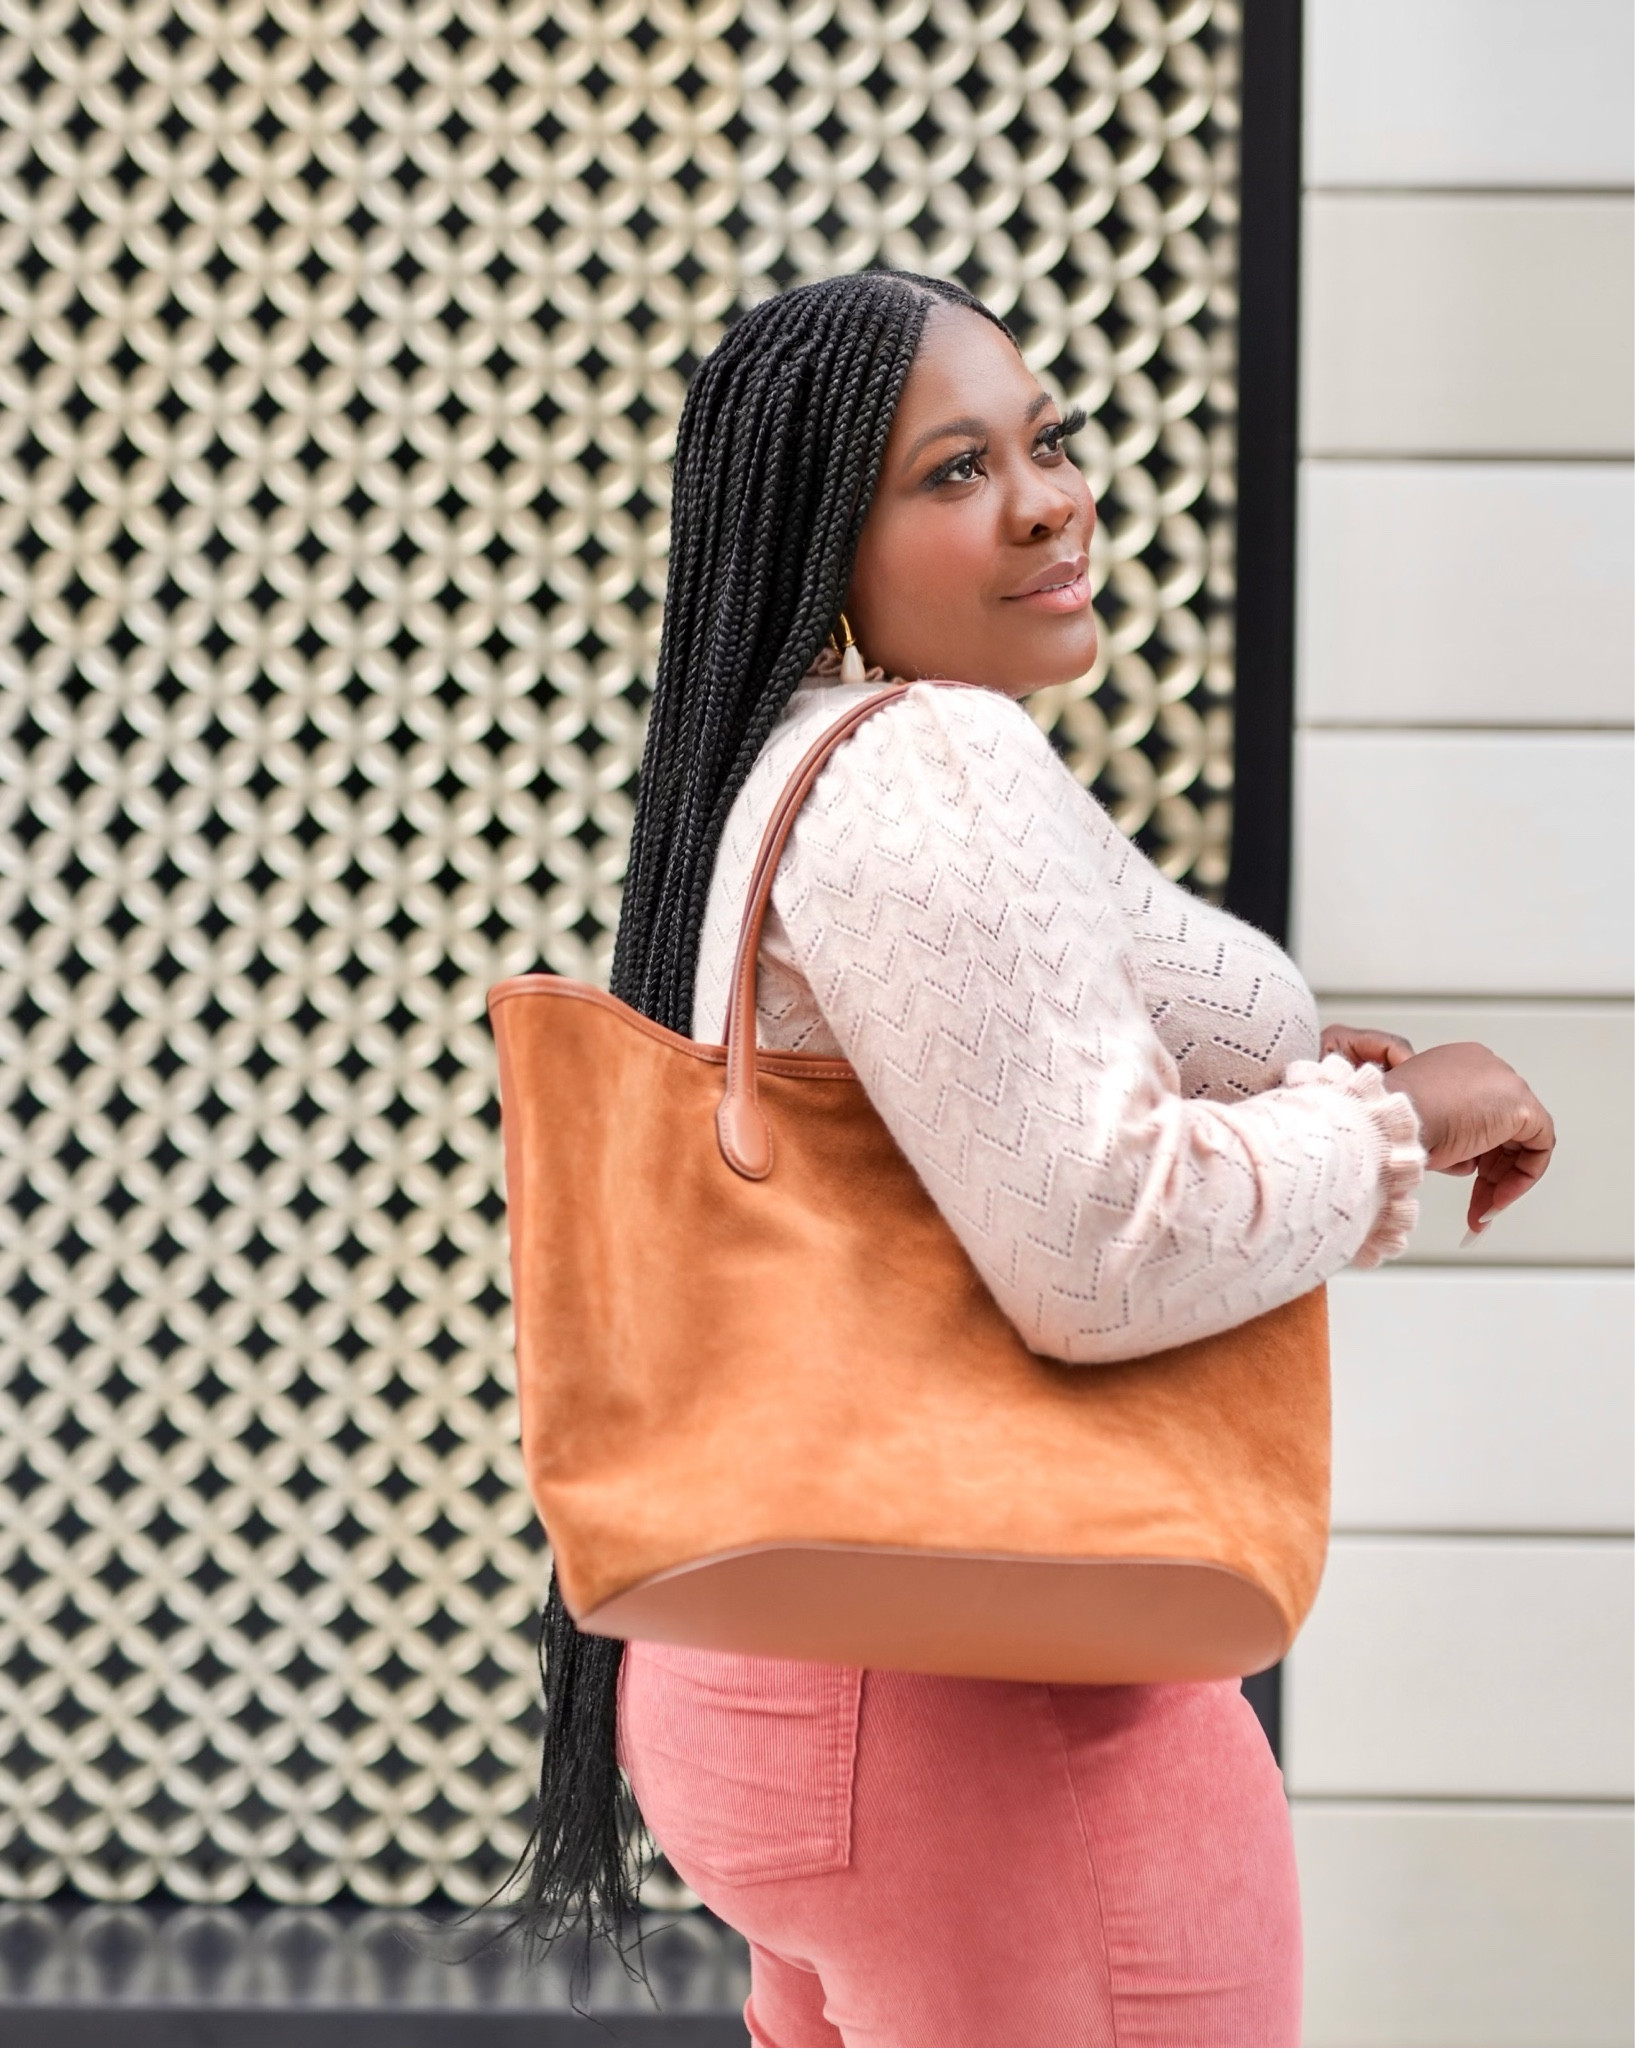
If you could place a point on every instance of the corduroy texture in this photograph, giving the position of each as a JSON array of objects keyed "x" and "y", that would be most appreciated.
[{"x": 952, "y": 1861}]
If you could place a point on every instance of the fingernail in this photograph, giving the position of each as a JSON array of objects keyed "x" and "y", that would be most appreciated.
[{"x": 1470, "y": 1236}]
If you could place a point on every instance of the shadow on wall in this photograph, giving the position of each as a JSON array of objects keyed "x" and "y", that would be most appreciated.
[{"x": 173, "y": 1974}]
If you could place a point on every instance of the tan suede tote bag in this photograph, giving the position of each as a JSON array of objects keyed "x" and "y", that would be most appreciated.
[{"x": 769, "y": 1406}]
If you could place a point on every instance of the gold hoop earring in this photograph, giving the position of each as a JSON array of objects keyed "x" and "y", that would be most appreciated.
[{"x": 851, "y": 656}]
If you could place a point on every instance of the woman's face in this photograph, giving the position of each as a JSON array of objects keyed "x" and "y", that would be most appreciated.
[{"x": 975, "y": 557}]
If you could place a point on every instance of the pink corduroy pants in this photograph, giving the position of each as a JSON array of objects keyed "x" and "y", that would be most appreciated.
[{"x": 950, "y": 1861}]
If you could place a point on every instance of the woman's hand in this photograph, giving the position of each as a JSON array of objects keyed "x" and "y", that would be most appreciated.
[
  {"x": 1366, "y": 1045},
  {"x": 1476, "y": 1116}
]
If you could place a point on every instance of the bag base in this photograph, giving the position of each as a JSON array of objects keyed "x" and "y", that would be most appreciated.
[{"x": 1070, "y": 1621}]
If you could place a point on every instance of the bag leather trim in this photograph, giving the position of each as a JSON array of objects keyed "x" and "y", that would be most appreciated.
[
  {"x": 798, "y": 1066},
  {"x": 1089, "y": 1621},
  {"x": 741, "y": 1124}
]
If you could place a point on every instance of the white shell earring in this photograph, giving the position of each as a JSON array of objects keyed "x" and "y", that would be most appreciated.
[{"x": 851, "y": 660}]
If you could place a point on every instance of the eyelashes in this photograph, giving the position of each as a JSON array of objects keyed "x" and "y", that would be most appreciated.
[
  {"x": 1049, "y": 438},
  {"x": 948, "y": 472},
  {"x": 1072, "y": 422}
]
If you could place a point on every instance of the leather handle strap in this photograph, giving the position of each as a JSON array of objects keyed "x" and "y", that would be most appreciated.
[{"x": 740, "y": 1123}]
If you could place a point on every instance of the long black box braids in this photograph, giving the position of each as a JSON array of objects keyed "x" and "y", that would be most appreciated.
[{"x": 778, "y": 453}]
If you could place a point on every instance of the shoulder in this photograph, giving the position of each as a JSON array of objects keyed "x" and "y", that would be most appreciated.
[
  {"x": 932, "y": 743},
  {"x": 963, "y": 760},
  {"x": 947, "y": 774},
  {"x": 804, "y": 719},
  {"x": 945, "y": 738},
  {"x": 964, "y": 717}
]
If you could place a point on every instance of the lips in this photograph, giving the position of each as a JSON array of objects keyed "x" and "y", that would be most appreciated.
[{"x": 1063, "y": 587}]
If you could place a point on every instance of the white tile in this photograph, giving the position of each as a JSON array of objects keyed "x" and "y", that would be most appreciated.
[
  {"x": 1579, "y": 1059},
  {"x": 1465, "y": 1924},
  {"x": 1469, "y": 92},
  {"x": 1446, "y": 594},
  {"x": 1464, "y": 863},
  {"x": 1444, "y": 1667},
  {"x": 1483, "y": 1401},
  {"x": 1451, "y": 325}
]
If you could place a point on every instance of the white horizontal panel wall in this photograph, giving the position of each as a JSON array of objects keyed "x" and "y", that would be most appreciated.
[
  {"x": 1464, "y": 863},
  {"x": 1483, "y": 1401},
  {"x": 1462, "y": 869},
  {"x": 1483, "y": 325},
  {"x": 1580, "y": 1060},
  {"x": 1443, "y": 594},
  {"x": 1469, "y": 92},
  {"x": 1493, "y": 1667},
  {"x": 1454, "y": 1924}
]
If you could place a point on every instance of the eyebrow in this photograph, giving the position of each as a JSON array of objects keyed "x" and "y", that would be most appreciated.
[
  {"x": 970, "y": 426},
  {"x": 967, "y": 426}
]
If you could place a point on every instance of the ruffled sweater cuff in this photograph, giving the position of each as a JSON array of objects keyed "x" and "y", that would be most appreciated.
[{"x": 1400, "y": 1156}]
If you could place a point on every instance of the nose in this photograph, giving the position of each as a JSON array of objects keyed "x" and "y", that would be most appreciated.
[{"x": 1046, "y": 503}]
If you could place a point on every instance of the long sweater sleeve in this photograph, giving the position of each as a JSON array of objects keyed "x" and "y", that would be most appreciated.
[{"x": 982, "y": 943}]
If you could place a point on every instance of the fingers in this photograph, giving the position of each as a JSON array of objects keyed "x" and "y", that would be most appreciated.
[
  {"x": 1503, "y": 1176},
  {"x": 1506, "y": 1172},
  {"x": 1478, "y": 1117},
  {"x": 1366, "y": 1045}
]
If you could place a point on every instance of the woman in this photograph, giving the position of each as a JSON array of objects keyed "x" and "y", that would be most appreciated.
[{"x": 1109, "y": 1089}]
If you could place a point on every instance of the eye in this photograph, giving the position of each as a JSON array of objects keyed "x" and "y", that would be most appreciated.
[
  {"x": 959, "y": 469},
  {"x": 1051, "y": 438}
]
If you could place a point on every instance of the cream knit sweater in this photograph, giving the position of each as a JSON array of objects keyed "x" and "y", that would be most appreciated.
[{"x": 1108, "y": 1087}]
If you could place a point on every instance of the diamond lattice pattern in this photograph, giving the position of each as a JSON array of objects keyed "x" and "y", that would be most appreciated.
[{"x": 340, "y": 353}]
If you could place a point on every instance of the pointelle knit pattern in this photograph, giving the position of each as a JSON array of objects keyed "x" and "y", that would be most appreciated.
[{"x": 1109, "y": 1087}]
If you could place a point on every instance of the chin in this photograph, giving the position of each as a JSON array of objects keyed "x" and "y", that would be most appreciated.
[
  {"x": 1014, "y": 672},
  {"x": 1061, "y": 664}
]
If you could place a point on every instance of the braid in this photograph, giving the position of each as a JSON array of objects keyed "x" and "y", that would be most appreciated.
[{"x": 777, "y": 456}]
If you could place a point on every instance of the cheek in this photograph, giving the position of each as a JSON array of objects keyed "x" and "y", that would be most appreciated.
[{"x": 929, "y": 557}]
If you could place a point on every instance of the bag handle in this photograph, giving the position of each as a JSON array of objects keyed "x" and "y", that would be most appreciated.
[{"x": 740, "y": 1122}]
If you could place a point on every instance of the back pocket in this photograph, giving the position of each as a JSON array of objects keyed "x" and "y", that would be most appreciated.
[{"x": 742, "y": 1766}]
